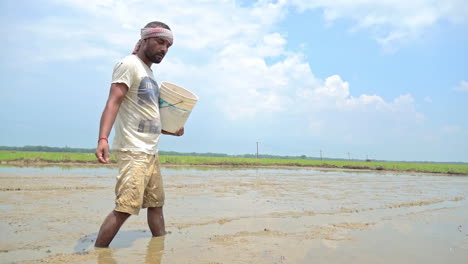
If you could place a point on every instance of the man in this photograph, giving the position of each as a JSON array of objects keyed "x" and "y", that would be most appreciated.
[{"x": 133, "y": 105}]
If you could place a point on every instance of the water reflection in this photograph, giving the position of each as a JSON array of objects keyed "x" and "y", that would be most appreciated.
[
  {"x": 168, "y": 169},
  {"x": 154, "y": 252},
  {"x": 105, "y": 256}
]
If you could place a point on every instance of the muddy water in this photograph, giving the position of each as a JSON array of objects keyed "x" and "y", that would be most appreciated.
[{"x": 239, "y": 216}]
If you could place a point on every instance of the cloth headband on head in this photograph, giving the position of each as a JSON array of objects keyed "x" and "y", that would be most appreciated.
[{"x": 152, "y": 33}]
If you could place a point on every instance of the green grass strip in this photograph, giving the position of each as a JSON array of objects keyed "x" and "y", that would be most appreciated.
[
  {"x": 65, "y": 157},
  {"x": 47, "y": 156}
]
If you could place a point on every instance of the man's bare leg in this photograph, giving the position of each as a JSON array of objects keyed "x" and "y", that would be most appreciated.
[
  {"x": 156, "y": 221},
  {"x": 110, "y": 227}
]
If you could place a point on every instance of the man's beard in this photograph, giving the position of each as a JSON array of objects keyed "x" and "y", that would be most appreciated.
[{"x": 155, "y": 57}]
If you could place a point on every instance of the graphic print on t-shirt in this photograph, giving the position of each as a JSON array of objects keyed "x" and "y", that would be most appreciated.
[{"x": 148, "y": 94}]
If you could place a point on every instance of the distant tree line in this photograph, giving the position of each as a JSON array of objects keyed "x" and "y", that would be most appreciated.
[{"x": 162, "y": 152}]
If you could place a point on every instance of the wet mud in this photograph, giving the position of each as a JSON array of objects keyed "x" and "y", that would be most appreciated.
[{"x": 52, "y": 214}]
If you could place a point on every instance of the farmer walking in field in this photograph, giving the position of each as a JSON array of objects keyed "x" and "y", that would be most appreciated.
[{"x": 133, "y": 105}]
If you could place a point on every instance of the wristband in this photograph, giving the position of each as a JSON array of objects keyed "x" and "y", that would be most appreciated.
[{"x": 102, "y": 139}]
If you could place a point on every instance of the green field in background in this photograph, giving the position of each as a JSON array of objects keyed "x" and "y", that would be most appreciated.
[
  {"x": 233, "y": 161},
  {"x": 47, "y": 156}
]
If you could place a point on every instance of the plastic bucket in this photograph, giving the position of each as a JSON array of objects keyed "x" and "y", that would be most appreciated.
[{"x": 175, "y": 106}]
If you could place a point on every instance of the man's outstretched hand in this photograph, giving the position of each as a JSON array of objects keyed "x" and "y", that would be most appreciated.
[{"x": 178, "y": 133}]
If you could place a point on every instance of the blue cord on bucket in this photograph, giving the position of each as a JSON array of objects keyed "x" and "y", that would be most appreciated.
[{"x": 162, "y": 101}]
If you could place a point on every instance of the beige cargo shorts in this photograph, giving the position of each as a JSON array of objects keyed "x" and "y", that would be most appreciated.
[{"x": 139, "y": 184}]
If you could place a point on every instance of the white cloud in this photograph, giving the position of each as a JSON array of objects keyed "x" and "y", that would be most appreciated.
[
  {"x": 206, "y": 26},
  {"x": 392, "y": 22},
  {"x": 233, "y": 44},
  {"x": 273, "y": 45},
  {"x": 462, "y": 87},
  {"x": 428, "y": 99},
  {"x": 214, "y": 24},
  {"x": 334, "y": 87}
]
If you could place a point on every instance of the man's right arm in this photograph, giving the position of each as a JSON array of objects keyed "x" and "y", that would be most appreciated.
[{"x": 116, "y": 96}]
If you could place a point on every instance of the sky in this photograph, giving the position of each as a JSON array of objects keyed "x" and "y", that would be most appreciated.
[{"x": 384, "y": 80}]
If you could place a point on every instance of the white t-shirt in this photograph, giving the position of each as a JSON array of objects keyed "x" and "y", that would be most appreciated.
[{"x": 137, "y": 125}]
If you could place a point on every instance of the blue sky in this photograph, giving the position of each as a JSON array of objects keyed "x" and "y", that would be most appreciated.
[{"x": 378, "y": 79}]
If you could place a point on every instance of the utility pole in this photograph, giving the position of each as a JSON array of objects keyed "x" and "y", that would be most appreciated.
[
  {"x": 349, "y": 156},
  {"x": 321, "y": 155},
  {"x": 257, "y": 149}
]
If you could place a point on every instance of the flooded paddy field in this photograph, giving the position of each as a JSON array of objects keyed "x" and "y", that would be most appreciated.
[{"x": 213, "y": 215}]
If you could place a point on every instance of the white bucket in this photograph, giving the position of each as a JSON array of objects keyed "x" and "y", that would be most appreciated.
[{"x": 175, "y": 106}]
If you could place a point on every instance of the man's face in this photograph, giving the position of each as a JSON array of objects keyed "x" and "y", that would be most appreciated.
[{"x": 156, "y": 49}]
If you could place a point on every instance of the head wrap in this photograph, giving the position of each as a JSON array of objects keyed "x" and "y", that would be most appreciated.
[{"x": 151, "y": 33}]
